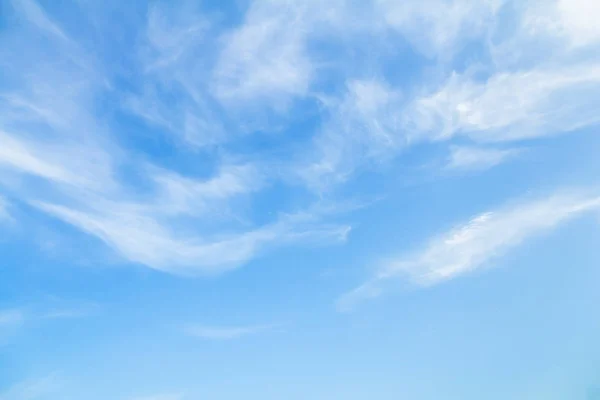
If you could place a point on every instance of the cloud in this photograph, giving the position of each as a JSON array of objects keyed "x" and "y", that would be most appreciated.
[
  {"x": 509, "y": 106},
  {"x": 474, "y": 244},
  {"x": 170, "y": 396},
  {"x": 15, "y": 318},
  {"x": 171, "y": 90},
  {"x": 45, "y": 160},
  {"x": 265, "y": 59},
  {"x": 68, "y": 313},
  {"x": 478, "y": 158},
  {"x": 4, "y": 209},
  {"x": 37, "y": 16},
  {"x": 571, "y": 20},
  {"x": 439, "y": 28},
  {"x": 142, "y": 239},
  {"x": 226, "y": 333},
  {"x": 65, "y": 156},
  {"x": 268, "y": 61},
  {"x": 35, "y": 389},
  {"x": 363, "y": 128},
  {"x": 11, "y": 318},
  {"x": 177, "y": 194},
  {"x": 172, "y": 32},
  {"x": 72, "y": 150}
]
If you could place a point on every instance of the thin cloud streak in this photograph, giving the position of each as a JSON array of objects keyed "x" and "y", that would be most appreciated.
[
  {"x": 142, "y": 239},
  {"x": 509, "y": 106},
  {"x": 226, "y": 333},
  {"x": 473, "y": 158},
  {"x": 66, "y": 159},
  {"x": 473, "y": 245},
  {"x": 170, "y": 396},
  {"x": 4, "y": 209},
  {"x": 35, "y": 389},
  {"x": 11, "y": 318}
]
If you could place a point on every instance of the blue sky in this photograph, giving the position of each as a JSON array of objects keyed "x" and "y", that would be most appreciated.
[{"x": 285, "y": 199}]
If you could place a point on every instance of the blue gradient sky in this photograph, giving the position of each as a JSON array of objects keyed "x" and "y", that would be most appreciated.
[{"x": 285, "y": 199}]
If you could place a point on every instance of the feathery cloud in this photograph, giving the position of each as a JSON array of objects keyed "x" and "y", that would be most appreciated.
[
  {"x": 509, "y": 106},
  {"x": 4, "y": 209},
  {"x": 439, "y": 28},
  {"x": 67, "y": 152},
  {"x": 363, "y": 128},
  {"x": 11, "y": 318},
  {"x": 478, "y": 158},
  {"x": 34, "y": 389},
  {"x": 64, "y": 142},
  {"x": 226, "y": 333},
  {"x": 143, "y": 239},
  {"x": 571, "y": 20},
  {"x": 265, "y": 59},
  {"x": 169, "y": 396},
  {"x": 475, "y": 244}
]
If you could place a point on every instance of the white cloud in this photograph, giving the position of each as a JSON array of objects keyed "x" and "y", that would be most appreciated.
[
  {"x": 64, "y": 154},
  {"x": 35, "y": 389},
  {"x": 143, "y": 239},
  {"x": 4, "y": 209},
  {"x": 475, "y": 244},
  {"x": 364, "y": 127},
  {"x": 226, "y": 333},
  {"x": 170, "y": 396},
  {"x": 509, "y": 106},
  {"x": 177, "y": 194},
  {"x": 11, "y": 318},
  {"x": 172, "y": 88},
  {"x": 74, "y": 160},
  {"x": 478, "y": 158},
  {"x": 265, "y": 59},
  {"x": 173, "y": 31},
  {"x": 37, "y": 16},
  {"x": 40, "y": 160},
  {"x": 267, "y": 62},
  {"x": 573, "y": 20},
  {"x": 67, "y": 313},
  {"x": 439, "y": 27}
]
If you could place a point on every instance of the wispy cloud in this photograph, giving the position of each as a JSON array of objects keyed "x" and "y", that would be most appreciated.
[
  {"x": 363, "y": 128},
  {"x": 170, "y": 396},
  {"x": 67, "y": 152},
  {"x": 36, "y": 15},
  {"x": 34, "y": 389},
  {"x": 478, "y": 158},
  {"x": 144, "y": 240},
  {"x": 226, "y": 333},
  {"x": 568, "y": 19},
  {"x": 509, "y": 106},
  {"x": 4, "y": 209},
  {"x": 439, "y": 28},
  {"x": 11, "y": 318},
  {"x": 269, "y": 61},
  {"x": 20, "y": 316},
  {"x": 68, "y": 313},
  {"x": 265, "y": 59},
  {"x": 475, "y": 244},
  {"x": 64, "y": 143}
]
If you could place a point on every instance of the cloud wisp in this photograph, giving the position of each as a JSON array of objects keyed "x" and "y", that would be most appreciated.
[
  {"x": 11, "y": 318},
  {"x": 164, "y": 156},
  {"x": 478, "y": 158},
  {"x": 168, "y": 396},
  {"x": 35, "y": 389},
  {"x": 66, "y": 160},
  {"x": 474, "y": 244},
  {"x": 227, "y": 332}
]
